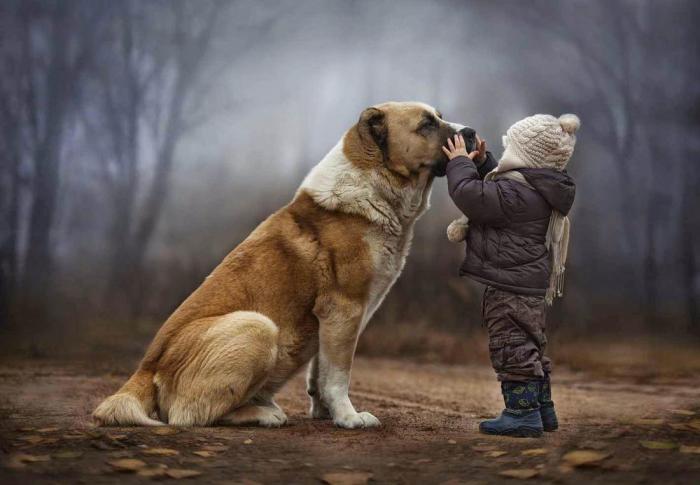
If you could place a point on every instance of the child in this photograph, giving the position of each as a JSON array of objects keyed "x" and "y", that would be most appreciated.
[{"x": 516, "y": 245}]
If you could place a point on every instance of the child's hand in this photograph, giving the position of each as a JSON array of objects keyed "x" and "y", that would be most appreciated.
[{"x": 459, "y": 149}]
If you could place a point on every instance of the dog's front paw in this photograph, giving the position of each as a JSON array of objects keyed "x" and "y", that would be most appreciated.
[
  {"x": 457, "y": 230},
  {"x": 357, "y": 420}
]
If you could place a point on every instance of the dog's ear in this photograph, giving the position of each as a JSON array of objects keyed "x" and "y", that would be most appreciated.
[{"x": 373, "y": 129}]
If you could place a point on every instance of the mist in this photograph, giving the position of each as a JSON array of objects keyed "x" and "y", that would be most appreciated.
[{"x": 142, "y": 141}]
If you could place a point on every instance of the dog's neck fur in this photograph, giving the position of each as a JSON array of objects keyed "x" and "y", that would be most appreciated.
[{"x": 338, "y": 184}]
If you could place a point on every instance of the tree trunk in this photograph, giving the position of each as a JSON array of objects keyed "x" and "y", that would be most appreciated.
[{"x": 38, "y": 263}]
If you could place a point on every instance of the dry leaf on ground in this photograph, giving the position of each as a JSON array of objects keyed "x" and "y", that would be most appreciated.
[
  {"x": 481, "y": 448},
  {"x": 164, "y": 430},
  {"x": 32, "y": 439},
  {"x": 534, "y": 452},
  {"x": 248, "y": 442},
  {"x": 215, "y": 447},
  {"x": 495, "y": 453},
  {"x": 204, "y": 453},
  {"x": 648, "y": 421},
  {"x": 695, "y": 424},
  {"x": 690, "y": 449},
  {"x": 160, "y": 452},
  {"x": 47, "y": 430},
  {"x": 127, "y": 464},
  {"x": 157, "y": 472},
  {"x": 682, "y": 412},
  {"x": 658, "y": 445},
  {"x": 178, "y": 473},
  {"x": 346, "y": 478},
  {"x": 20, "y": 460},
  {"x": 584, "y": 457},
  {"x": 67, "y": 455},
  {"x": 521, "y": 473},
  {"x": 73, "y": 436}
]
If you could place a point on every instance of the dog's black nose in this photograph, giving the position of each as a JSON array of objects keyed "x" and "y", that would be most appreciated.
[
  {"x": 469, "y": 135},
  {"x": 467, "y": 132}
]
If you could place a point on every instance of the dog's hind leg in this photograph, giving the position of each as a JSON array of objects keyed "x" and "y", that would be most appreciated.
[
  {"x": 226, "y": 366},
  {"x": 261, "y": 410}
]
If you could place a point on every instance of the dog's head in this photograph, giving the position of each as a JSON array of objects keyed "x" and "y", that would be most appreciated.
[{"x": 407, "y": 138}]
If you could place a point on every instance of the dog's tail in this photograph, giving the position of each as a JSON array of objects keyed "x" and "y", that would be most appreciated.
[{"x": 131, "y": 405}]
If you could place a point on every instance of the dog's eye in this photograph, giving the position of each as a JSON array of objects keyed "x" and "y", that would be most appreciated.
[{"x": 427, "y": 125}]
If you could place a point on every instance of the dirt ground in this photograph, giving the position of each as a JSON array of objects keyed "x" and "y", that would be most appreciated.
[{"x": 620, "y": 430}]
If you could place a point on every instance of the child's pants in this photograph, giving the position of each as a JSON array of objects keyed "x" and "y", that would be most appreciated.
[{"x": 517, "y": 338}]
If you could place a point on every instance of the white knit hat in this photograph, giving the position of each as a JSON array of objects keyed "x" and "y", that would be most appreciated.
[{"x": 542, "y": 141}]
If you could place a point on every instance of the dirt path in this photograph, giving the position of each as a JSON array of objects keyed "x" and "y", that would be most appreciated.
[{"x": 633, "y": 432}]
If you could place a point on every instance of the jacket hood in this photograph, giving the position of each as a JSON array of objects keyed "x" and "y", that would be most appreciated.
[{"x": 557, "y": 187}]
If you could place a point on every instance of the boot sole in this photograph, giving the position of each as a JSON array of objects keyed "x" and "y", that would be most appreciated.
[{"x": 523, "y": 432}]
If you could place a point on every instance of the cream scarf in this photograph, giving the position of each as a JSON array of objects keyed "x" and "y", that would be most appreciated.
[{"x": 557, "y": 239}]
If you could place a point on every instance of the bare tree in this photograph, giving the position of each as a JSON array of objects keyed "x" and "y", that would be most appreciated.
[{"x": 146, "y": 91}]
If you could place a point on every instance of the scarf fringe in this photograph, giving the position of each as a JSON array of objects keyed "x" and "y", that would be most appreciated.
[{"x": 557, "y": 242}]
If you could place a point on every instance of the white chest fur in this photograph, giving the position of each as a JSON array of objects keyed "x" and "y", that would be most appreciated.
[{"x": 338, "y": 185}]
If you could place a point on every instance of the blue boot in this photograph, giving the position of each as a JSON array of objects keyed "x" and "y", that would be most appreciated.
[
  {"x": 521, "y": 417},
  {"x": 549, "y": 416}
]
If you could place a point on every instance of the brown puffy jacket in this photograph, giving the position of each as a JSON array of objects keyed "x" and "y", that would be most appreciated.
[{"x": 508, "y": 223}]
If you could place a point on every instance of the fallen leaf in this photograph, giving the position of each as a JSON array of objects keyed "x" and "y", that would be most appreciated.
[
  {"x": 179, "y": 473},
  {"x": 682, "y": 412},
  {"x": 690, "y": 449},
  {"x": 204, "y": 453},
  {"x": 73, "y": 436},
  {"x": 565, "y": 468},
  {"x": 248, "y": 442},
  {"x": 152, "y": 472},
  {"x": 120, "y": 454},
  {"x": 127, "y": 464},
  {"x": 19, "y": 460},
  {"x": 47, "y": 430},
  {"x": 94, "y": 433},
  {"x": 33, "y": 439},
  {"x": 215, "y": 448},
  {"x": 278, "y": 460},
  {"x": 68, "y": 455},
  {"x": 584, "y": 457},
  {"x": 422, "y": 461},
  {"x": 495, "y": 453},
  {"x": 346, "y": 478},
  {"x": 658, "y": 445},
  {"x": 164, "y": 430},
  {"x": 521, "y": 473},
  {"x": 452, "y": 442},
  {"x": 534, "y": 452},
  {"x": 26, "y": 430},
  {"x": 160, "y": 452},
  {"x": 648, "y": 421},
  {"x": 481, "y": 448},
  {"x": 694, "y": 423}
]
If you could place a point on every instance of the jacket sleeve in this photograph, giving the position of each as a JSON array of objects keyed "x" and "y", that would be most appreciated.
[
  {"x": 480, "y": 201},
  {"x": 487, "y": 165}
]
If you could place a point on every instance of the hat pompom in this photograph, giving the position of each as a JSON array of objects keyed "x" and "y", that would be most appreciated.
[{"x": 570, "y": 123}]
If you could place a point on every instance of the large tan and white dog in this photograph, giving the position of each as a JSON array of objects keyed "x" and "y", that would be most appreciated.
[{"x": 300, "y": 289}]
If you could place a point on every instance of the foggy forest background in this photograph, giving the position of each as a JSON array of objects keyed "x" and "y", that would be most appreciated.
[{"x": 142, "y": 140}]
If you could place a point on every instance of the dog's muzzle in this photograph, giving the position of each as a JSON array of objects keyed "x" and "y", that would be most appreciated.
[{"x": 469, "y": 134}]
